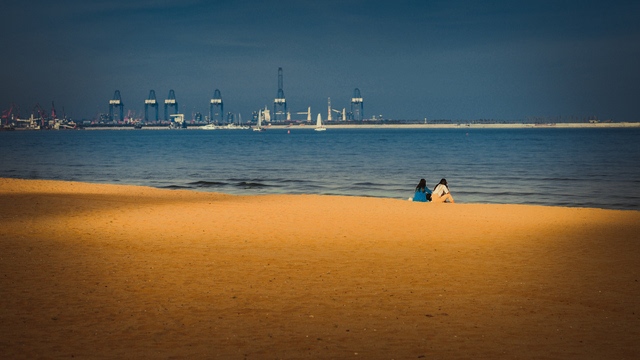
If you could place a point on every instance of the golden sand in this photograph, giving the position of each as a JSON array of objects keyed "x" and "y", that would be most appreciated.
[{"x": 104, "y": 271}]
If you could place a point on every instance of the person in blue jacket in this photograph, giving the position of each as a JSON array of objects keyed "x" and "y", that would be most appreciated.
[{"x": 422, "y": 193}]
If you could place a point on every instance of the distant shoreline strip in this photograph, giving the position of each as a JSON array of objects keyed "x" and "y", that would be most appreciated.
[{"x": 412, "y": 126}]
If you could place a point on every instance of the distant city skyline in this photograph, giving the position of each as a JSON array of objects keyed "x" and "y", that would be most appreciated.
[{"x": 410, "y": 59}]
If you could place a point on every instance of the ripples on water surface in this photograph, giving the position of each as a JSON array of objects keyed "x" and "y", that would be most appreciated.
[{"x": 563, "y": 167}]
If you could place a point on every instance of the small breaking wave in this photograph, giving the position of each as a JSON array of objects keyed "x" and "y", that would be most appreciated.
[
  {"x": 202, "y": 184},
  {"x": 175, "y": 187},
  {"x": 251, "y": 185}
]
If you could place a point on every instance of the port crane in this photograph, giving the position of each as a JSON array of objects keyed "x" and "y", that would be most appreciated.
[
  {"x": 41, "y": 113},
  {"x": 217, "y": 103},
  {"x": 116, "y": 102},
  {"x": 53, "y": 111},
  {"x": 8, "y": 115},
  {"x": 308, "y": 113},
  {"x": 170, "y": 101},
  {"x": 342, "y": 113},
  {"x": 357, "y": 105},
  {"x": 151, "y": 101},
  {"x": 280, "y": 101}
]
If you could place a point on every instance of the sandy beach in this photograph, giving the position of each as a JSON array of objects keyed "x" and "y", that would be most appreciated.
[{"x": 106, "y": 271}]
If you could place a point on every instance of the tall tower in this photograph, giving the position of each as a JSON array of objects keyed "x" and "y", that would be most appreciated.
[
  {"x": 280, "y": 101},
  {"x": 329, "y": 113},
  {"x": 357, "y": 105},
  {"x": 216, "y": 103}
]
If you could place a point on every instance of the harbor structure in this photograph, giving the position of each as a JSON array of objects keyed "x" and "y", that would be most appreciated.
[
  {"x": 217, "y": 105},
  {"x": 280, "y": 103},
  {"x": 308, "y": 113},
  {"x": 10, "y": 116},
  {"x": 177, "y": 122},
  {"x": 170, "y": 101},
  {"x": 116, "y": 102},
  {"x": 151, "y": 101},
  {"x": 357, "y": 106}
]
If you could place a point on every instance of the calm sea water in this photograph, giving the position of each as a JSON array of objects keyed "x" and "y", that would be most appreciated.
[{"x": 558, "y": 167}]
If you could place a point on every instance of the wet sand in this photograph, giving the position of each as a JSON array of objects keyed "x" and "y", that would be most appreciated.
[{"x": 104, "y": 271}]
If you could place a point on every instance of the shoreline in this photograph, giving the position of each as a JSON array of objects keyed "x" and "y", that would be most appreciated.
[
  {"x": 398, "y": 198},
  {"x": 118, "y": 271},
  {"x": 411, "y": 126}
]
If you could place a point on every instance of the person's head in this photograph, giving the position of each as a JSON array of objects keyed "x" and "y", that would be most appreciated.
[
  {"x": 422, "y": 185},
  {"x": 442, "y": 182}
]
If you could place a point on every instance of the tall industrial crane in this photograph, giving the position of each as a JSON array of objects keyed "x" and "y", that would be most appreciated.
[
  {"x": 8, "y": 115},
  {"x": 151, "y": 101},
  {"x": 280, "y": 100},
  {"x": 357, "y": 105},
  {"x": 217, "y": 103},
  {"x": 116, "y": 102},
  {"x": 170, "y": 101},
  {"x": 53, "y": 112},
  {"x": 43, "y": 116}
]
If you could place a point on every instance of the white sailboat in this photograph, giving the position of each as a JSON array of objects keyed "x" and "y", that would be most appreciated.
[
  {"x": 319, "y": 126},
  {"x": 240, "y": 126},
  {"x": 259, "y": 127}
]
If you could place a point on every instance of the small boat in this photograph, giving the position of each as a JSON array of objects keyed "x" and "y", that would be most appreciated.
[
  {"x": 259, "y": 127},
  {"x": 319, "y": 126},
  {"x": 208, "y": 127},
  {"x": 240, "y": 126}
]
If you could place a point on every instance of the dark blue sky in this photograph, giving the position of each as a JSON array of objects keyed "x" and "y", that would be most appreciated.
[{"x": 449, "y": 59}]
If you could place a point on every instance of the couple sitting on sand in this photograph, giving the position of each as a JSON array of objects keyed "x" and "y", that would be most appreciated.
[{"x": 440, "y": 193}]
